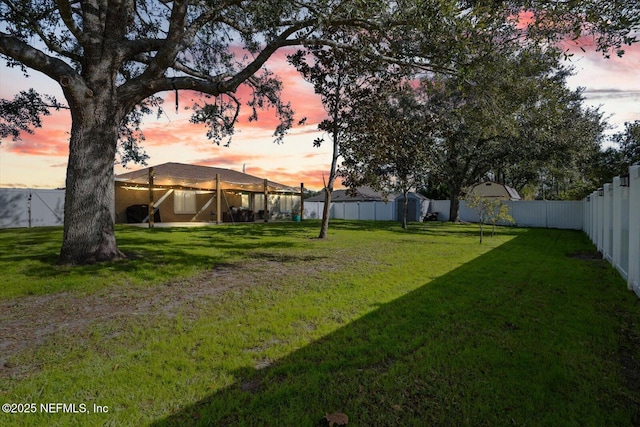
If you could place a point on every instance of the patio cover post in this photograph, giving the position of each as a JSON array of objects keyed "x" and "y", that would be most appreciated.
[
  {"x": 301, "y": 201},
  {"x": 151, "y": 207},
  {"x": 218, "y": 199},
  {"x": 266, "y": 201}
]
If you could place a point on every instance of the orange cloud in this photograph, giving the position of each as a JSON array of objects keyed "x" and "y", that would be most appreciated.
[
  {"x": 311, "y": 178},
  {"x": 181, "y": 131},
  {"x": 315, "y": 156},
  {"x": 227, "y": 160},
  {"x": 176, "y": 126}
]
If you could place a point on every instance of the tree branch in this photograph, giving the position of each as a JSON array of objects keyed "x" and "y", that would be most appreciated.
[
  {"x": 34, "y": 58},
  {"x": 67, "y": 17},
  {"x": 35, "y": 26}
]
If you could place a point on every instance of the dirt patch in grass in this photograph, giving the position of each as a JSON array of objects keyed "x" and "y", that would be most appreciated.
[
  {"x": 586, "y": 255},
  {"x": 28, "y": 322}
]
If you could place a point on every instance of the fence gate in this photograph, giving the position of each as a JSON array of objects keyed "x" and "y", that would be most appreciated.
[{"x": 31, "y": 207}]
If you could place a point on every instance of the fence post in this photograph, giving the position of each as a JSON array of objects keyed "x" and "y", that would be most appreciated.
[
  {"x": 600, "y": 220},
  {"x": 29, "y": 205},
  {"x": 607, "y": 222},
  {"x": 616, "y": 221},
  {"x": 633, "y": 280},
  {"x": 594, "y": 215},
  {"x": 586, "y": 215}
]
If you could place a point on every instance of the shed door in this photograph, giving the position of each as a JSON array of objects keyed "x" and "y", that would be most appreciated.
[{"x": 412, "y": 209}]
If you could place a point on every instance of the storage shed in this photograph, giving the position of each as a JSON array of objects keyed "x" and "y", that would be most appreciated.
[
  {"x": 417, "y": 207},
  {"x": 192, "y": 193}
]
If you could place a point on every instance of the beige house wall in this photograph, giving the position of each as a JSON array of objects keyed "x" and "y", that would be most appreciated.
[{"x": 125, "y": 197}]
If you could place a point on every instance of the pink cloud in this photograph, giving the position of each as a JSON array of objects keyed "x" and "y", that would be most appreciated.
[
  {"x": 305, "y": 103},
  {"x": 310, "y": 178},
  {"x": 615, "y": 74},
  {"x": 52, "y": 139},
  {"x": 174, "y": 132}
]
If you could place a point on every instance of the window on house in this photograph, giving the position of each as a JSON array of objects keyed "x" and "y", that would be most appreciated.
[
  {"x": 184, "y": 202},
  {"x": 258, "y": 202}
]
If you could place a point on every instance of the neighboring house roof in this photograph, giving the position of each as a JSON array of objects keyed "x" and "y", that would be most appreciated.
[
  {"x": 495, "y": 189},
  {"x": 413, "y": 195},
  {"x": 200, "y": 177},
  {"x": 362, "y": 194}
]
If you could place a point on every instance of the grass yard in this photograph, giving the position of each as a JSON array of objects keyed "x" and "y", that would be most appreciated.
[{"x": 262, "y": 325}]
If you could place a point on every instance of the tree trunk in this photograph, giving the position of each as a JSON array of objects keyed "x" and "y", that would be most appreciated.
[
  {"x": 90, "y": 192},
  {"x": 328, "y": 190},
  {"x": 324, "y": 228},
  {"x": 454, "y": 207},
  {"x": 405, "y": 209}
]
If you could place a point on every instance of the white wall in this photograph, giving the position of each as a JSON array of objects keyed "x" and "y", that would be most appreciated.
[{"x": 31, "y": 207}]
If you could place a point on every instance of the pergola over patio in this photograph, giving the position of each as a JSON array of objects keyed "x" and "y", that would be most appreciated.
[{"x": 213, "y": 194}]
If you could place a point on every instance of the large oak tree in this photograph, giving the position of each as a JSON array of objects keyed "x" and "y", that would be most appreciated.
[
  {"x": 112, "y": 57},
  {"x": 514, "y": 115}
]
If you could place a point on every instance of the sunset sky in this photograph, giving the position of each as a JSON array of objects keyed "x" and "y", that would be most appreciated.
[{"x": 39, "y": 160}]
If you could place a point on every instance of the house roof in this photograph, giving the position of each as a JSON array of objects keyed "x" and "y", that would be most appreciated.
[
  {"x": 200, "y": 177},
  {"x": 362, "y": 194},
  {"x": 413, "y": 195}
]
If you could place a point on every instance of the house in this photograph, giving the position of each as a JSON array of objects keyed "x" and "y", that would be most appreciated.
[
  {"x": 191, "y": 193},
  {"x": 495, "y": 190}
]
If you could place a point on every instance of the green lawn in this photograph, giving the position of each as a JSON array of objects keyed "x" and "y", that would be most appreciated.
[{"x": 263, "y": 325}]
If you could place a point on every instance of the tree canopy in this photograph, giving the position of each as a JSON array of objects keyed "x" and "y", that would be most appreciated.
[
  {"x": 388, "y": 141},
  {"x": 344, "y": 84},
  {"x": 520, "y": 119}
]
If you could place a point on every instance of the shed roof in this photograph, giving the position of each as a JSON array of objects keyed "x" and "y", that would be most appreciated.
[
  {"x": 413, "y": 195},
  {"x": 200, "y": 177},
  {"x": 495, "y": 189}
]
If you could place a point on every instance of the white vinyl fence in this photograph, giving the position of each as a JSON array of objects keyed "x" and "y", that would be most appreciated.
[
  {"x": 535, "y": 213},
  {"x": 612, "y": 221},
  {"x": 374, "y": 211},
  {"x": 30, "y": 207}
]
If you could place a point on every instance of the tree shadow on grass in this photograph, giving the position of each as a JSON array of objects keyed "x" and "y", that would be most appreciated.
[
  {"x": 161, "y": 249},
  {"x": 469, "y": 348}
]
